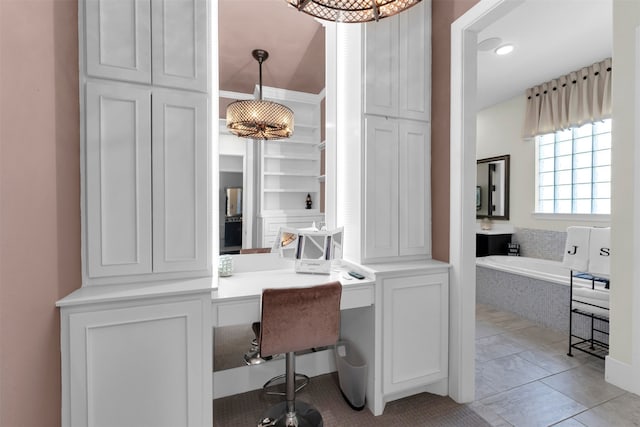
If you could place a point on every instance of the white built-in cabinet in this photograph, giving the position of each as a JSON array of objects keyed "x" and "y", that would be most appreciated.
[
  {"x": 383, "y": 164},
  {"x": 138, "y": 357},
  {"x": 387, "y": 159},
  {"x": 397, "y": 65},
  {"x": 146, "y": 132},
  {"x": 163, "y": 42},
  {"x": 127, "y": 233},
  {"x": 414, "y": 331},
  {"x": 397, "y": 206},
  {"x": 136, "y": 337}
]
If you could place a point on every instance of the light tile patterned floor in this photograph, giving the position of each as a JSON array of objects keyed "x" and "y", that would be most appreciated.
[{"x": 524, "y": 378}]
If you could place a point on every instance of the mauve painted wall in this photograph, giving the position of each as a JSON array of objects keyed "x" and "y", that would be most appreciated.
[
  {"x": 39, "y": 201},
  {"x": 444, "y": 12}
]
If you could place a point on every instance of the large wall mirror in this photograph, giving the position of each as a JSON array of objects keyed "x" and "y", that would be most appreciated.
[
  {"x": 298, "y": 65},
  {"x": 492, "y": 188}
]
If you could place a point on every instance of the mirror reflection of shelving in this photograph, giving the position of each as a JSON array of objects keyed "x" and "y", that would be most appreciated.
[{"x": 290, "y": 167}]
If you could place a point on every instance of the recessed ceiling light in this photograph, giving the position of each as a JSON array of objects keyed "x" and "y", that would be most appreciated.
[
  {"x": 505, "y": 49},
  {"x": 489, "y": 44}
]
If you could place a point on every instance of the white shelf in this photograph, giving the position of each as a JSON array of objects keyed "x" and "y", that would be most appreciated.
[
  {"x": 306, "y": 174},
  {"x": 288, "y": 190},
  {"x": 293, "y": 140},
  {"x": 291, "y": 212},
  {"x": 310, "y": 126},
  {"x": 293, "y": 157}
]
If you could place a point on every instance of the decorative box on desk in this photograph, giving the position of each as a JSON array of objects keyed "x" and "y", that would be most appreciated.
[{"x": 492, "y": 242}]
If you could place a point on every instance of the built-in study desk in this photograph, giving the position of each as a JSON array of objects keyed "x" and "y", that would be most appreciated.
[
  {"x": 126, "y": 347},
  {"x": 237, "y": 298},
  {"x": 399, "y": 311},
  {"x": 236, "y": 301}
]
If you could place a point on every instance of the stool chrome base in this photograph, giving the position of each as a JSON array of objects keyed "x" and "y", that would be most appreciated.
[
  {"x": 304, "y": 416},
  {"x": 281, "y": 380}
]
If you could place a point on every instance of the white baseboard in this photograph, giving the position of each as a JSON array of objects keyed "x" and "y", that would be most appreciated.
[{"x": 620, "y": 374}]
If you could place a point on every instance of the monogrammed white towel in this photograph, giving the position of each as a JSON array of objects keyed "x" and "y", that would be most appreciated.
[
  {"x": 576, "y": 251},
  {"x": 600, "y": 252}
]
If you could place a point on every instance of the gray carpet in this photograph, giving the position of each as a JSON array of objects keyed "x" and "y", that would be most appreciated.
[{"x": 323, "y": 392}]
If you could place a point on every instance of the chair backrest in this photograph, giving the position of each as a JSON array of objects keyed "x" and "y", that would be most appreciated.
[{"x": 295, "y": 319}]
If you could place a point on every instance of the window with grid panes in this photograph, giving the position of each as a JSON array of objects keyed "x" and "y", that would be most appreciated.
[{"x": 573, "y": 173}]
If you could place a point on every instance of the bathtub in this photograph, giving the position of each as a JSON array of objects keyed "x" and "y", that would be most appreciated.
[
  {"x": 536, "y": 289},
  {"x": 543, "y": 269}
]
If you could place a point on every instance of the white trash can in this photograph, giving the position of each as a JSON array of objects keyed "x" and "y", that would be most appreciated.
[{"x": 352, "y": 374}]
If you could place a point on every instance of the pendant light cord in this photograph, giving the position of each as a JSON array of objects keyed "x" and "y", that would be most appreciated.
[{"x": 260, "y": 59}]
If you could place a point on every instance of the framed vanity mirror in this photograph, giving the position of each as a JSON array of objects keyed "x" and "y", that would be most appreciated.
[
  {"x": 492, "y": 187},
  {"x": 233, "y": 202}
]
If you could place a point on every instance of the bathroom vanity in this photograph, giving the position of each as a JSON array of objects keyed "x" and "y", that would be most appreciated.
[{"x": 492, "y": 242}]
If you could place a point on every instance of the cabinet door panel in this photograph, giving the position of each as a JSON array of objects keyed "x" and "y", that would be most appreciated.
[
  {"x": 381, "y": 188},
  {"x": 118, "y": 179},
  {"x": 119, "y": 39},
  {"x": 139, "y": 366},
  {"x": 381, "y": 67},
  {"x": 180, "y": 181},
  {"x": 414, "y": 63},
  {"x": 415, "y": 188},
  {"x": 415, "y": 324},
  {"x": 180, "y": 44}
]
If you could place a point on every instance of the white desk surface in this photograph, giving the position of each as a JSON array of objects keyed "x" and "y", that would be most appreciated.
[
  {"x": 251, "y": 284},
  {"x": 236, "y": 301}
]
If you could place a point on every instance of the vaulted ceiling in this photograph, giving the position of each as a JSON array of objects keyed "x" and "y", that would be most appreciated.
[{"x": 294, "y": 40}]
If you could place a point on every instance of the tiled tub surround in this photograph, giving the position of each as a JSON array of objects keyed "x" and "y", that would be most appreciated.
[
  {"x": 540, "y": 301},
  {"x": 545, "y": 244}
]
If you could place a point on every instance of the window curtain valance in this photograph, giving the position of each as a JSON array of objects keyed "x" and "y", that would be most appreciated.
[{"x": 572, "y": 100}]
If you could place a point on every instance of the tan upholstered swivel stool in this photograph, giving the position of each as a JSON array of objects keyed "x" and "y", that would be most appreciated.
[{"x": 296, "y": 319}]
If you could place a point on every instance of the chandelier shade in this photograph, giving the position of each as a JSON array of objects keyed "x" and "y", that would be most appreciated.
[
  {"x": 352, "y": 11},
  {"x": 258, "y": 119}
]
